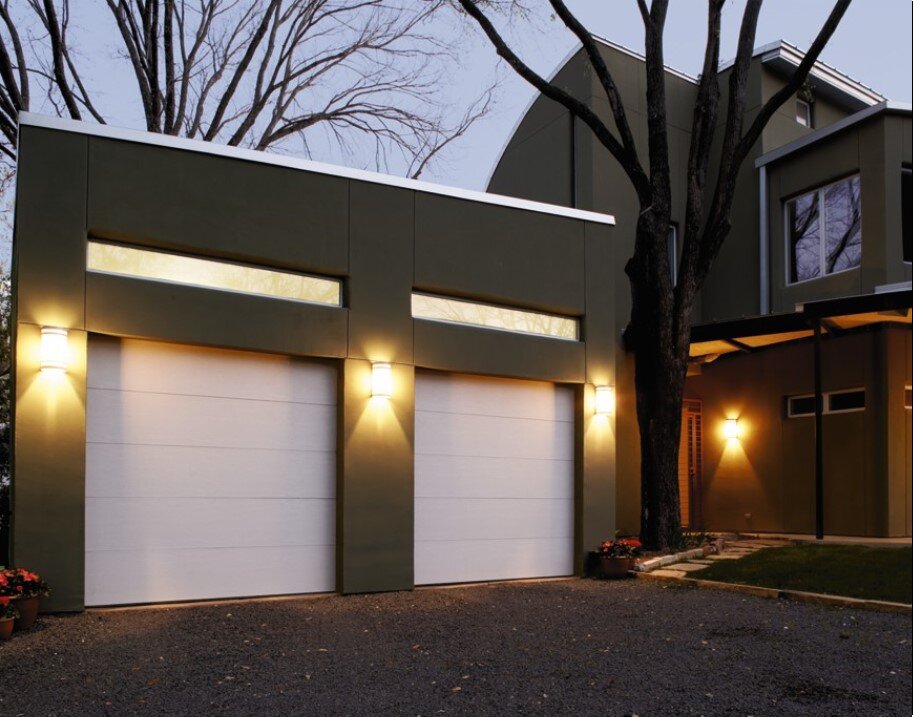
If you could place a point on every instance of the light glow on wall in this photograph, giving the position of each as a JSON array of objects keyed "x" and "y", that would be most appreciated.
[
  {"x": 732, "y": 429},
  {"x": 382, "y": 380},
  {"x": 604, "y": 401},
  {"x": 54, "y": 352}
]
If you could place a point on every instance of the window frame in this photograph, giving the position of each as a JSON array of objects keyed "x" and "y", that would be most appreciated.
[
  {"x": 826, "y": 402},
  {"x": 905, "y": 170},
  {"x": 578, "y": 333},
  {"x": 340, "y": 302},
  {"x": 809, "y": 119},
  {"x": 819, "y": 191}
]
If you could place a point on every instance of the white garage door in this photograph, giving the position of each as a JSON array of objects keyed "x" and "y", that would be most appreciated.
[
  {"x": 494, "y": 479},
  {"x": 209, "y": 473}
]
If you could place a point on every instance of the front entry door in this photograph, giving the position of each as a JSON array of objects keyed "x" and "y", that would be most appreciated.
[{"x": 690, "y": 465}]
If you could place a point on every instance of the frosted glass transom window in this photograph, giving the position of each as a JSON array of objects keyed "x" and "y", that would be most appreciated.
[
  {"x": 490, "y": 316},
  {"x": 211, "y": 274}
]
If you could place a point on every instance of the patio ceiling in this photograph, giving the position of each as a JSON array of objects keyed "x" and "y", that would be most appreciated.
[{"x": 710, "y": 341}]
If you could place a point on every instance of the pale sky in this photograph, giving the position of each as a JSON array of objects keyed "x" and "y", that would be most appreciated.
[{"x": 873, "y": 45}]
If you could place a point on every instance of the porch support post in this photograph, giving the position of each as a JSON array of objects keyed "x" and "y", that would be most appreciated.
[{"x": 817, "y": 368}]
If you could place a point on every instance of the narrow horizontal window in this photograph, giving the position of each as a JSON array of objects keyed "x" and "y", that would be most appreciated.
[
  {"x": 832, "y": 402},
  {"x": 502, "y": 318},
  {"x": 211, "y": 274},
  {"x": 845, "y": 401},
  {"x": 801, "y": 406}
]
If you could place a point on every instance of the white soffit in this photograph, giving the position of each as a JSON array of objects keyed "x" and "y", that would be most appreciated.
[{"x": 193, "y": 145}]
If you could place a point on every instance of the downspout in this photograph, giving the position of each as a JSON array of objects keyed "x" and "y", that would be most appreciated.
[
  {"x": 764, "y": 249},
  {"x": 574, "y": 164}
]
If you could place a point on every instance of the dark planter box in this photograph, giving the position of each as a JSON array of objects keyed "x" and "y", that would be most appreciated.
[{"x": 606, "y": 568}]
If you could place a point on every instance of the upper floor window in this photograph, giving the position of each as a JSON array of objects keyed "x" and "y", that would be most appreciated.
[
  {"x": 906, "y": 238},
  {"x": 804, "y": 113},
  {"x": 824, "y": 231}
]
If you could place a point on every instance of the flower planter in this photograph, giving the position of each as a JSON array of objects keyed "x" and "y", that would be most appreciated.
[
  {"x": 28, "y": 612},
  {"x": 608, "y": 568},
  {"x": 6, "y": 629}
]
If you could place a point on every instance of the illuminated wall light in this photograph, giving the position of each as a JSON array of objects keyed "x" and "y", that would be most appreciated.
[
  {"x": 382, "y": 380},
  {"x": 732, "y": 429},
  {"x": 604, "y": 402},
  {"x": 54, "y": 352}
]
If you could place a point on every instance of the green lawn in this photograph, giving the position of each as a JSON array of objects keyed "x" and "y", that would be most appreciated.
[{"x": 848, "y": 570}]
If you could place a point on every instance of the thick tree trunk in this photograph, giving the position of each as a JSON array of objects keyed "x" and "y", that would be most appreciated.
[{"x": 660, "y": 365}]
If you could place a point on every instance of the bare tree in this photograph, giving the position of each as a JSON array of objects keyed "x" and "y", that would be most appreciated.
[
  {"x": 253, "y": 73},
  {"x": 659, "y": 329}
]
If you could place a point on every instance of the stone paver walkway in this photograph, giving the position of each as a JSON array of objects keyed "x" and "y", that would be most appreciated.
[{"x": 733, "y": 550}]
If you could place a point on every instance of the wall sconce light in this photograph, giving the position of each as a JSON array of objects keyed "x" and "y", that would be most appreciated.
[
  {"x": 382, "y": 380},
  {"x": 604, "y": 400},
  {"x": 54, "y": 354},
  {"x": 732, "y": 429}
]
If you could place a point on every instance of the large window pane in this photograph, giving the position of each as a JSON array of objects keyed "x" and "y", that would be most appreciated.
[
  {"x": 842, "y": 225},
  {"x": 160, "y": 266},
  {"x": 906, "y": 214},
  {"x": 457, "y": 311},
  {"x": 803, "y": 233}
]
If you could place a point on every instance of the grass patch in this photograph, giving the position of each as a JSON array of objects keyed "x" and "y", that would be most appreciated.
[{"x": 846, "y": 570}]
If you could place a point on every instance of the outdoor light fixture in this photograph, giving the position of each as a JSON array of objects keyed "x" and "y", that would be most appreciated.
[
  {"x": 382, "y": 380},
  {"x": 54, "y": 353},
  {"x": 604, "y": 402},
  {"x": 731, "y": 429}
]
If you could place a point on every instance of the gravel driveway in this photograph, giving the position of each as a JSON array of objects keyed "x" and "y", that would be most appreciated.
[{"x": 568, "y": 647}]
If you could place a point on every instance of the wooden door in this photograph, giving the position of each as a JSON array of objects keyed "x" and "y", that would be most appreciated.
[{"x": 690, "y": 464}]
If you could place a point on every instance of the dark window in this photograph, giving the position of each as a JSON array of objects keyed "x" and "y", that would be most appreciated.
[
  {"x": 824, "y": 230},
  {"x": 801, "y": 406},
  {"x": 906, "y": 213},
  {"x": 847, "y": 401},
  {"x": 672, "y": 249}
]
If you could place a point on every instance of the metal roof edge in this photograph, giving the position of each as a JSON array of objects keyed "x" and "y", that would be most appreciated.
[
  {"x": 520, "y": 118},
  {"x": 830, "y": 130},
  {"x": 194, "y": 145}
]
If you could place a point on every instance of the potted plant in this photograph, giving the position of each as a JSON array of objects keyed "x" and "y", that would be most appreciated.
[
  {"x": 25, "y": 587},
  {"x": 614, "y": 558},
  {"x": 8, "y": 615}
]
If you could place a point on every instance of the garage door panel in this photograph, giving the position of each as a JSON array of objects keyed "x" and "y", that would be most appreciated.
[
  {"x": 473, "y": 476},
  {"x": 167, "y": 419},
  {"x": 483, "y": 396},
  {"x": 494, "y": 480},
  {"x": 488, "y": 436},
  {"x": 469, "y": 561},
  {"x": 449, "y": 519},
  {"x": 136, "y": 471},
  {"x": 181, "y": 523},
  {"x": 199, "y": 371},
  {"x": 197, "y": 574},
  {"x": 209, "y": 473}
]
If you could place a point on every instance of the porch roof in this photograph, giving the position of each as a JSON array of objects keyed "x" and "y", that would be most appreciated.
[{"x": 712, "y": 340}]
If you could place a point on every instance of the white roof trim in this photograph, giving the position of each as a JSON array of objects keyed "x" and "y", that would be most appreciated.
[
  {"x": 829, "y": 130},
  {"x": 520, "y": 118},
  {"x": 820, "y": 70},
  {"x": 638, "y": 56},
  {"x": 192, "y": 145}
]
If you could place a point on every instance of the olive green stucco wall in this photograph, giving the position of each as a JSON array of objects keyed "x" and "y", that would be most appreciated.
[
  {"x": 765, "y": 480},
  {"x": 382, "y": 241}
]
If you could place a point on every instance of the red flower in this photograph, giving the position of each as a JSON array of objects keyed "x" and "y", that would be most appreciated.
[{"x": 4, "y": 600}]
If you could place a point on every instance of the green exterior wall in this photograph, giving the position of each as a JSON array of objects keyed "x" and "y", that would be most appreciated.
[
  {"x": 382, "y": 241},
  {"x": 766, "y": 480}
]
